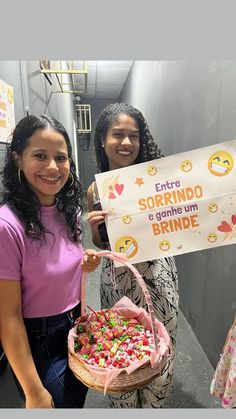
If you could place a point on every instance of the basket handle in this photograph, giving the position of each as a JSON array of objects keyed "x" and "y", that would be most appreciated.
[{"x": 122, "y": 258}]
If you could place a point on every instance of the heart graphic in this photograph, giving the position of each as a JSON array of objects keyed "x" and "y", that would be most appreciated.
[
  {"x": 119, "y": 188},
  {"x": 111, "y": 195},
  {"x": 110, "y": 187},
  {"x": 233, "y": 218},
  {"x": 224, "y": 227}
]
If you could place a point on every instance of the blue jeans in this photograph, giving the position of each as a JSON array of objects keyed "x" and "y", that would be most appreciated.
[{"x": 48, "y": 343}]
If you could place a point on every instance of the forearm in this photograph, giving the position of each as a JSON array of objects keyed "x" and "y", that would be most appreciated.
[{"x": 16, "y": 347}]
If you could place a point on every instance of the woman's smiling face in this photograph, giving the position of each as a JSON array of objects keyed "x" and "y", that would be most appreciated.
[
  {"x": 45, "y": 164},
  {"x": 122, "y": 142}
]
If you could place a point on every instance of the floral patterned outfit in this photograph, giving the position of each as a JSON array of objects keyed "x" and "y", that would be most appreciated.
[{"x": 161, "y": 279}]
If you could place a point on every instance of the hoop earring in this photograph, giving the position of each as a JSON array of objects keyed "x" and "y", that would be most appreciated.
[
  {"x": 19, "y": 175},
  {"x": 72, "y": 180}
]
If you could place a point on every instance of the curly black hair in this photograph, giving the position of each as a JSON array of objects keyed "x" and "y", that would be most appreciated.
[
  {"x": 21, "y": 198},
  {"x": 148, "y": 148}
]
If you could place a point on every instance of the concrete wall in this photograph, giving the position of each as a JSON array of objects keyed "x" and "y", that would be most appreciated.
[
  {"x": 87, "y": 161},
  {"x": 190, "y": 105},
  {"x": 43, "y": 101},
  {"x": 32, "y": 92}
]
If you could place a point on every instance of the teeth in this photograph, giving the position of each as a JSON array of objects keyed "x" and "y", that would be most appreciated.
[
  {"x": 50, "y": 179},
  {"x": 218, "y": 168},
  {"x": 130, "y": 249},
  {"x": 125, "y": 153}
]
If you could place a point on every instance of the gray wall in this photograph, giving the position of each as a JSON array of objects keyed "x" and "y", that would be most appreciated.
[
  {"x": 190, "y": 105},
  {"x": 43, "y": 101},
  {"x": 33, "y": 92},
  {"x": 87, "y": 161}
]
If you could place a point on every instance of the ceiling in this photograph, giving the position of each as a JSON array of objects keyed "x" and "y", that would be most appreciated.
[
  {"x": 104, "y": 78},
  {"x": 87, "y": 79}
]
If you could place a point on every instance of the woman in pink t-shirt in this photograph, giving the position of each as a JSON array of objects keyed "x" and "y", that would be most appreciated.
[{"x": 41, "y": 261}]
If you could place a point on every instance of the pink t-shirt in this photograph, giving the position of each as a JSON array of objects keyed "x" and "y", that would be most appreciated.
[{"x": 50, "y": 272}]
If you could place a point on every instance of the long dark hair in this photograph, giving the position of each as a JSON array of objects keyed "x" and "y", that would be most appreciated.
[
  {"x": 148, "y": 148},
  {"x": 21, "y": 198}
]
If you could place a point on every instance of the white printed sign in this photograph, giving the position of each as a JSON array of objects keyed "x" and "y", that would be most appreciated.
[
  {"x": 172, "y": 205},
  {"x": 7, "y": 114}
]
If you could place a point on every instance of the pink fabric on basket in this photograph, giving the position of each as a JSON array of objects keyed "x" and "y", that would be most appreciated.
[{"x": 126, "y": 308}]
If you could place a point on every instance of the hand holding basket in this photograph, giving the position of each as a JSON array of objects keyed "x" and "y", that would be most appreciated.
[{"x": 138, "y": 373}]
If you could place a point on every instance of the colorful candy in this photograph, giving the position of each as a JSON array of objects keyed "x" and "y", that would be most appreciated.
[{"x": 111, "y": 341}]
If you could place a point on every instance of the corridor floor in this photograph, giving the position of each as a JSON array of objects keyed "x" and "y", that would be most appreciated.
[
  {"x": 192, "y": 373},
  {"x": 192, "y": 376}
]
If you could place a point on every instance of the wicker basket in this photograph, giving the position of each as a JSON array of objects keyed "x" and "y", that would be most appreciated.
[{"x": 124, "y": 381}]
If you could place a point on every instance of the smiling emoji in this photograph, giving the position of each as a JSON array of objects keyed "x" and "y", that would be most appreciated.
[
  {"x": 151, "y": 170},
  {"x": 186, "y": 166},
  {"x": 126, "y": 219},
  {"x": 164, "y": 245},
  {"x": 212, "y": 237},
  {"x": 213, "y": 207},
  {"x": 220, "y": 163},
  {"x": 10, "y": 94},
  {"x": 127, "y": 245}
]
